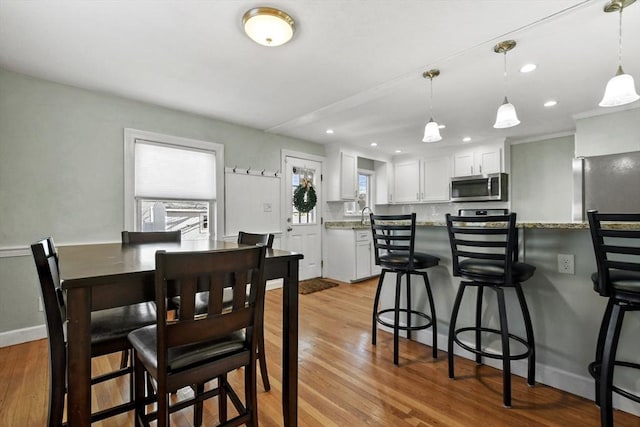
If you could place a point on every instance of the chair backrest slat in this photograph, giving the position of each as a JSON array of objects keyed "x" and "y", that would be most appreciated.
[
  {"x": 487, "y": 237},
  {"x": 394, "y": 233},
  {"x": 616, "y": 245}
]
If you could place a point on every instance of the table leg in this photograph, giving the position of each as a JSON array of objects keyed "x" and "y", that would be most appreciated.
[
  {"x": 290, "y": 346},
  {"x": 78, "y": 356}
]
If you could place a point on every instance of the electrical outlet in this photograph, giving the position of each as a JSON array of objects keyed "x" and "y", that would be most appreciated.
[
  {"x": 40, "y": 307},
  {"x": 566, "y": 264}
]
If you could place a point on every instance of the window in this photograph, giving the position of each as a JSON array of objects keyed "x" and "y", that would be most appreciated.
[
  {"x": 365, "y": 179},
  {"x": 173, "y": 184}
]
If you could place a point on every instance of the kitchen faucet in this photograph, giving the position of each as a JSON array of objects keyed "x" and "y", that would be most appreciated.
[{"x": 362, "y": 220}]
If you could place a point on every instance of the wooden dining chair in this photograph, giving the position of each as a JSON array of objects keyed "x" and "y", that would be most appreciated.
[
  {"x": 140, "y": 237},
  {"x": 202, "y": 299},
  {"x": 196, "y": 348},
  {"x": 109, "y": 330}
]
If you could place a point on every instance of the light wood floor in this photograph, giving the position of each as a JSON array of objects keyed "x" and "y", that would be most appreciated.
[{"x": 344, "y": 380}]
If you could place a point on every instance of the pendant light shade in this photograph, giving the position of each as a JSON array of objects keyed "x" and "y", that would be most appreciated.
[
  {"x": 268, "y": 26},
  {"x": 621, "y": 89},
  {"x": 506, "y": 116},
  {"x": 431, "y": 130}
]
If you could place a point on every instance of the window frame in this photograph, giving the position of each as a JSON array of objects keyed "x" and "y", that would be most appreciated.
[
  {"x": 130, "y": 209},
  {"x": 370, "y": 194}
]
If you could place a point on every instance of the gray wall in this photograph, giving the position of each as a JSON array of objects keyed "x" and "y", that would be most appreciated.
[
  {"x": 61, "y": 170},
  {"x": 541, "y": 180},
  {"x": 608, "y": 131}
]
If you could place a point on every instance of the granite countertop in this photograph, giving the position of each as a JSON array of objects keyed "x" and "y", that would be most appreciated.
[{"x": 357, "y": 225}]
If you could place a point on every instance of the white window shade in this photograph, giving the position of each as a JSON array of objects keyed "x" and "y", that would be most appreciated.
[{"x": 163, "y": 171}]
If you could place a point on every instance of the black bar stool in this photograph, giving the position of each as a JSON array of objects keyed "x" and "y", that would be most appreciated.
[
  {"x": 484, "y": 253},
  {"x": 394, "y": 245},
  {"x": 617, "y": 251}
]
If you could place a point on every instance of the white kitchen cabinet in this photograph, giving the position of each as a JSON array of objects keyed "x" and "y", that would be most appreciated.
[
  {"x": 341, "y": 175},
  {"x": 350, "y": 256},
  {"x": 422, "y": 180},
  {"x": 348, "y": 176},
  {"x": 477, "y": 161},
  {"x": 437, "y": 177},
  {"x": 406, "y": 181}
]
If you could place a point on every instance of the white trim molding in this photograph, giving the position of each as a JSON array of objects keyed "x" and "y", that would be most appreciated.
[{"x": 20, "y": 336}]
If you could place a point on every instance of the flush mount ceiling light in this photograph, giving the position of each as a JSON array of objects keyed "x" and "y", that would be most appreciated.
[
  {"x": 506, "y": 116},
  {"x": 431, "y": 130},
  {"x": 621, "y": 88},
  {"x": 268, "y": 26}
]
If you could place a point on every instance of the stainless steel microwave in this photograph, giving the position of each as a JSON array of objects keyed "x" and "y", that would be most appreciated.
[{"x": 480, "y": 188}]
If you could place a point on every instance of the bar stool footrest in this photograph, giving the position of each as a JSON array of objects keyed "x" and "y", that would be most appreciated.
[
  {"x": 408, "y": 312},
  {"x": 488, "y": 354},
  {"x": 594, "y": 370}
]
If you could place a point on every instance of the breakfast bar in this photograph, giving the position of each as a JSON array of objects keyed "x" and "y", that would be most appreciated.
[{"x": 565, "y": 310}]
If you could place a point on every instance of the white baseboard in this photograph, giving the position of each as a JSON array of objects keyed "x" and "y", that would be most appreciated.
[
  {"x": 20, "y": 336},
  {"x": 274, "y": 284},
  {"x": 583, "y": 386}
]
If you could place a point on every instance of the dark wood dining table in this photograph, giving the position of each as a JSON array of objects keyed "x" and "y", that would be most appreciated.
[{"x": 100, "y": 276}]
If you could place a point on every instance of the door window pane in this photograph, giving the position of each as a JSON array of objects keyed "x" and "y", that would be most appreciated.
[{"x": 297, "y": 177}]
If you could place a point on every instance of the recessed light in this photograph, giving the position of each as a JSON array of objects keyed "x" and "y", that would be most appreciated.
[
  {"x": 398, "y": 151},
  {"x": 374, "y": 144},
  {"x": 466, "y": 139},
  {"x": 551, "y": 103},
  {"x": 527, "y": 68},
  {"x": 441, "y": 126},
  {"x": 329, "y": 131}
]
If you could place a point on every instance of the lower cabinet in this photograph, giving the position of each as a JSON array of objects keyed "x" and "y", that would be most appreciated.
[{"x": 350, "y": 256}]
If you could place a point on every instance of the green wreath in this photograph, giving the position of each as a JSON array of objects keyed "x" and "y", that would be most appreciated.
[{"x": 304, "y": 197}]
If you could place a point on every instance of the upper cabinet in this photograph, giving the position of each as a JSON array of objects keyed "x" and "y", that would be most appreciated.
[
  {"x": 437, "y": 177},
  {"x": 342, "y": 175},
  {"x": 406, "y": 181},
  {"x": 477, "y": 161},
  {"x": 342, "y": 170},
  {"x": 422, "y": 180},
  {"x": 348, "y": 176}
]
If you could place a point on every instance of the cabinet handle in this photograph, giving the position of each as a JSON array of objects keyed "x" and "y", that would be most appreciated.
[
  {"x": 480, "y": 167},
  {"x": 471, "y": 170}
]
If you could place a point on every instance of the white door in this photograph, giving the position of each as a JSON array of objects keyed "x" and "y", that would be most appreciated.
[{"x": 304, "y": 229}]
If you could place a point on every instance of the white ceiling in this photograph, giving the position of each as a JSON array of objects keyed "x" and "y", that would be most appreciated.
[{"x": 354, "y": 66}]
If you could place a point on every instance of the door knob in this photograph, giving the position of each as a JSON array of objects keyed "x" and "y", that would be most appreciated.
[{"x": 289, "y": 228}]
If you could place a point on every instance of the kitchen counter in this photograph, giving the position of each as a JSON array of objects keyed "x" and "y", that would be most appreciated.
[{"x": 357, "y": 225}]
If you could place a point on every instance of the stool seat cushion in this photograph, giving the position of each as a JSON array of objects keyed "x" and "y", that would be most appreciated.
[
  {"x": 621, "y": 280},
  {"x": 116, "y": 323},
  {"x": 492, "y": 271},
  {"x": 400, "y": 260},
  {"x": 144, "y": 341}
]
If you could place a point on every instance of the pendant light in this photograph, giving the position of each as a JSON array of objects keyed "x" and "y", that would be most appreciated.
[
  {"x": 506, "y": 116},
  {"x": 268, "y": 26},
  {"x": 431, "y": 130},
  {"x": 621, "y": 88}
]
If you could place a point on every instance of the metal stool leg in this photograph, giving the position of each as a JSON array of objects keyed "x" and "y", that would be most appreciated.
[
  {"x": 506, "y": 353},
  {"x": 479, "y": 294},
  {"x": 396, "y": 320},
  {"x": 595, "y": 367},
  {"x": 608, "y": 361},
  {"x": 531, "y": 371},
  {"x": 376, "y": 301},
  {"x": 452, "y": 327},
  {"x": 434, "y": 328},
  {"x": 408, "y": 305}
]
